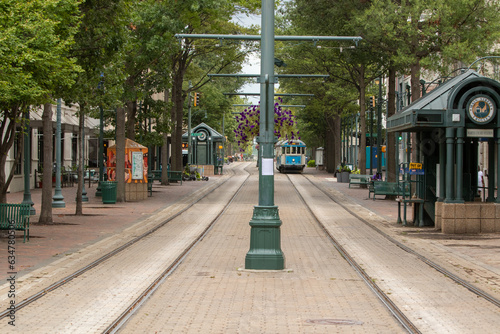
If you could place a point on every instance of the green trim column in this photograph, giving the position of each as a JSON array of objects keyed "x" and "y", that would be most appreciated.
[
  {"x": 460, "y": 166},
  {"x": 265, "y": 237},
  {"x": 498, "y": 163},
  {"x": 491, "y": 171},
  {"x": 450, "y": 164},
  {"x": 442, "y": 171}
]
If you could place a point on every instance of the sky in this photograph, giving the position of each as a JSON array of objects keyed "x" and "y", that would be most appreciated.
[{"x": 252, "y": 65}]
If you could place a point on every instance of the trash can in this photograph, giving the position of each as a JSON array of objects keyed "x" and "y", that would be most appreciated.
[{"x": 108, "y": 189}]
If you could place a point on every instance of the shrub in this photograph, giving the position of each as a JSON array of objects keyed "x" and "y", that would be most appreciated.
[{"x": 311, "y": 163}]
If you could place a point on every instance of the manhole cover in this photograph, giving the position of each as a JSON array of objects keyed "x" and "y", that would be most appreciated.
[{"x": 334, "y": 322}]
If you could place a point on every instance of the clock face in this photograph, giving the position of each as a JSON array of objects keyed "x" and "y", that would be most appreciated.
[
  {"x": 481, "y": 110},
  {"x": 203, "y": 135}
]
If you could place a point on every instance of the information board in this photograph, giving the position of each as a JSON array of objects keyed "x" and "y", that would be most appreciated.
[{"x": 137, "y": 166}]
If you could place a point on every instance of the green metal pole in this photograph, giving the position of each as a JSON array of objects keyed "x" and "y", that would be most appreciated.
[
  {"x": 442, "y": 171},
  {"x": 491, "y": 171},
  {"x": 98, "y": 191},
  {"x": 450, "y": 162},
  {"x": 379, "y": 127},
  {"x": 58, "y": 198},
  {"x": 84, "y": 192},
  {"x": 27, "y": 163},
  {"x": 498, "y": 163},
  {"x": 265, "y": 235},
  {"x": 371, "y": 136},
  {"x": 190, "y": 139},
  {"x": 460, "y": 165}
]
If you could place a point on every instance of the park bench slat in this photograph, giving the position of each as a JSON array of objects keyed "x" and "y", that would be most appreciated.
[
  {"x": 16, "y": 214},
  {"x": 388, "y": 188},
  {"x": 359, "y": 179},
  {"x": 174, "y": 176}
]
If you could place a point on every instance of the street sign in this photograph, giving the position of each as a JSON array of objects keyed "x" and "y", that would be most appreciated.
[
  {"x": 196, "y": 134},
  {"x": 415, "y": 165}
]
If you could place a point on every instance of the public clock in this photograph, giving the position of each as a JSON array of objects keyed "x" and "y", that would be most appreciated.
[
  {"x": 202, "y": 136},
  {"x": 481, "y": 109}
]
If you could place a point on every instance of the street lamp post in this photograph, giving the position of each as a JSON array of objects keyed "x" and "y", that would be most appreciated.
[
  {"x": 379, "y": 127},
  {"x": 27, "y": 164},
  {"x": 371, "y": 137},
  {"x": 101, "y": 151},
  {"x": 84, "y": 192},
  {"x": 190, "y": 139},
  {"x": 265, "y": 235},
  {"x": 58, "y": 198}
]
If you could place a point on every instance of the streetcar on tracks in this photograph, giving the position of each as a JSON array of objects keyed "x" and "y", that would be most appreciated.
[{"x": 290, "y": 155}]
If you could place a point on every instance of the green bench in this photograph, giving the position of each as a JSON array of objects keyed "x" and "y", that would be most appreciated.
[
  {"x": 388, "y": 188},
  {"x": 359, "y": 179},
  {"x": 150, "y": 184},
  {"x": 15, "y": 217},
  {"x": 156, "y": 175},
  {"x": 174, "y": 176}
]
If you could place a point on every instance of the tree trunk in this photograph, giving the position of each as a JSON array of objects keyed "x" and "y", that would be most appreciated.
[
  {"x": 79, "y": 188},
  {"x": 46, "y": 209},
  {"x": 177, "y": 120},
  {"x": 391, "y": 148},
  {"x": 415, "y": 95},
  {"x": 120, "y": 154},
  {"x": 7, "y": 135},
  {"x": 330, "y": 145},
  {"x": 131, "y": 117}
]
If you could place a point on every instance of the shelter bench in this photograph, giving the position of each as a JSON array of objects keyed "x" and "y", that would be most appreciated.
[
  {"x": 388, "y": 188},
  {"x": 15, "y": 217},
  {"x": 359, "y": 179}
]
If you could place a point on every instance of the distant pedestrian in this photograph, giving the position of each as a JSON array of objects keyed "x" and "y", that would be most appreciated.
[{"x": 480, "y": 180}]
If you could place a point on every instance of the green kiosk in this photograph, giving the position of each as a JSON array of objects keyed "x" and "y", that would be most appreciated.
[
  {"x": 449, "y": 123},
  {"x": 207, "y": 149}
]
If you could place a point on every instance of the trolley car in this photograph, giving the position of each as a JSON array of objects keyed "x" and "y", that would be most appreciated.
[{"x": 290, "y": 155}]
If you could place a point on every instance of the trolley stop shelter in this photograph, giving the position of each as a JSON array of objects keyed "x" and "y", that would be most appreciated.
[
  {"x": 136, "y": 169},
  {"x": 207, "y": 148},
  {"x": 450, "y": 122}
]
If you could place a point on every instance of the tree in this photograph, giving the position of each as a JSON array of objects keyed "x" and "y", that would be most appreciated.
[
  {"x": 34, "y": 62},
  {"x": 100, "y": 44},
  {"x": 347, "y": 66},
  {"x": 201, "y": 17},
  {"x": 437, "y": 35}
]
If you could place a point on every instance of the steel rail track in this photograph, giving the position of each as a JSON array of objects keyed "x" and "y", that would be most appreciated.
[
  {"x": 70, "y": 277},
  {"x": 119, "y": 322},
  {"x": 386, "y": 301},
  {"x": 477, "y": 291}
]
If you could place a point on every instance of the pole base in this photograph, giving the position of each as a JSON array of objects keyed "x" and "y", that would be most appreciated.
[
  {"x": 265, "y": 240},
  {"x": 58, "y": 204}
]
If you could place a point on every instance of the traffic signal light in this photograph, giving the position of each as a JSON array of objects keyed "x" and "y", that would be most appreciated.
[
  {"x": 197, "y": 99},
  {"x": 372, "y": 101}
]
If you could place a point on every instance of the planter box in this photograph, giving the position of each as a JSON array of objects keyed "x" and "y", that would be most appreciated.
[{"x": 344, "y": 176}]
